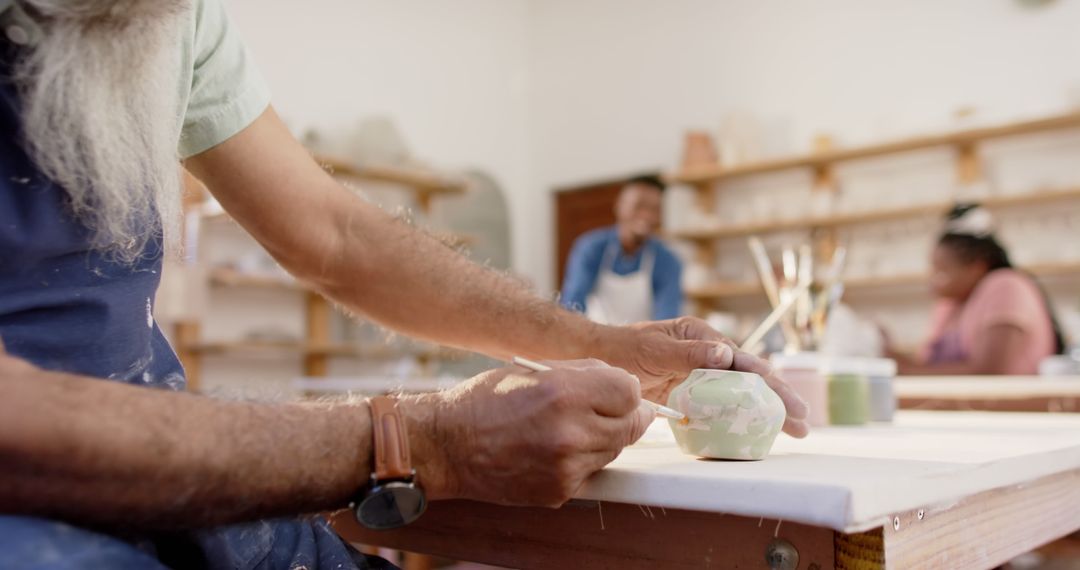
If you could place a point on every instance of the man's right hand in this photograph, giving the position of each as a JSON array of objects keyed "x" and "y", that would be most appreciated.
[{"x": 516, "y": 437}]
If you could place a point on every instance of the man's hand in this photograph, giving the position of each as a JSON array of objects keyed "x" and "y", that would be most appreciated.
[
  {"x": 663, "y": 353},
  {"x": 516, "y": 437}
]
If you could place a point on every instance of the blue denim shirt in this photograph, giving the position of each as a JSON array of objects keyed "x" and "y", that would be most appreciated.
[{"x": 587, "y": 256}]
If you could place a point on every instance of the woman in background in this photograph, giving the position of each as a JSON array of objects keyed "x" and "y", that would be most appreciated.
[{"x": 990, "y": 318}]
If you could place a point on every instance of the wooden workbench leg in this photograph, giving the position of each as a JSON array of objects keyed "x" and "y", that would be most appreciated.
[{"x": 862, "y": 551}]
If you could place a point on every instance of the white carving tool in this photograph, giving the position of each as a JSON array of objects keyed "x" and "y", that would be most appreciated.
[{"x": 660, "y": 410}]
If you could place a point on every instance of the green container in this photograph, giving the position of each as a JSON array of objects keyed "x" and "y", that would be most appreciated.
[{"x": 849, "y": 399}]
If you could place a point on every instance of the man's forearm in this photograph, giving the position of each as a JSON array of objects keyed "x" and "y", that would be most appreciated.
[
  {"x": 102, "y": 453},
  {"x": 413, "y": 283}
]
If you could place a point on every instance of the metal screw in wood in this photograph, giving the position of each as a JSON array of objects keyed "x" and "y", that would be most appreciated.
[
  {"x": 922, "y": 514},
  {"x": 896, "y": 523},
  {"x": 781, "y": 555}
]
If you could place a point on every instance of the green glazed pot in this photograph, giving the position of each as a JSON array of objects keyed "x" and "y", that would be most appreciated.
[{"x": 732, "y": 415}]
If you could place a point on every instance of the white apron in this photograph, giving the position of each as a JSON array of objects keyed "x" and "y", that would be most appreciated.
[{"x": 621, "y": 299}]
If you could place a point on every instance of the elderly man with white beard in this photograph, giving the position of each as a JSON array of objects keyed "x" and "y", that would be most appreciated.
[{"x": 99, "y": 101}]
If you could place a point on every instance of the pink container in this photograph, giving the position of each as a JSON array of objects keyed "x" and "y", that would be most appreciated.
[{"x": 802, "y": 371}]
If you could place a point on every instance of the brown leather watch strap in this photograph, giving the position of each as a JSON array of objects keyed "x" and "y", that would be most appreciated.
[{"x": 392, "y": 459}]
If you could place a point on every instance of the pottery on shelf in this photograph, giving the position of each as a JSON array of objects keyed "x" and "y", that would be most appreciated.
[
  {"x": 698, "y": 151},
  {"x": 729, "y": 415}
]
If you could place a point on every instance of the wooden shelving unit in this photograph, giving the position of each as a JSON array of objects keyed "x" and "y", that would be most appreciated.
[
  {"x": 424, "y": 184},
  {"x": 968, "y": 169},
  {"x": 960, "y": 139},
  {"x": 723, "y": 291},
  {"x": 317, "y": 347},
  {"x": 870, "y": 216},
  {"x": 228, "y": 277}
]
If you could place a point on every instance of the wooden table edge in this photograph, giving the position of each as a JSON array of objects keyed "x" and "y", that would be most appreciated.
[{"x": 980, "y": 531}]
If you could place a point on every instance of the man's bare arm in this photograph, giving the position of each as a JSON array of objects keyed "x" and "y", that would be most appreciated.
[
  {"x": 108, "y": 454},
  {"x": 373, "y": 263}
]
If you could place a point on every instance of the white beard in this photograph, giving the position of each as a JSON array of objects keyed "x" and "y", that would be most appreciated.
[{"x": 99, "y": 96}]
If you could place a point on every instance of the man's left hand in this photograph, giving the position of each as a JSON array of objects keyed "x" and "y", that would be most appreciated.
[{"x": 663, "y": 353}]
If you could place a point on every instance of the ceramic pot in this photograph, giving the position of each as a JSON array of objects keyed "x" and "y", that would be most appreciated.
[
  {"x": 730, "y": 415},
  {"x": 698, "y": 150}
]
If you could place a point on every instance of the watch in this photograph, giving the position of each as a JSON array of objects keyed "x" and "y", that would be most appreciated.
[{"x": 393, "y": 499}]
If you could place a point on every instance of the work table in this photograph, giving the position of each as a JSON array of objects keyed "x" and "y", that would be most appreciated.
[
  {"x": 964, "y": 489},
  {"x": 992, "y": 393}
]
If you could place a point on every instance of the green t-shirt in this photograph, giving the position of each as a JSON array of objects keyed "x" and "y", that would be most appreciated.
[{"x": 221, "y": 91}]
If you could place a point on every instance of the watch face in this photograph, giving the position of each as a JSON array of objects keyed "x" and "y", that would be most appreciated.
[{"x": 391, "y": 505}]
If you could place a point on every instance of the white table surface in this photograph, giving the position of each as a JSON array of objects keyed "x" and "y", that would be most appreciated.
[
  {"x": 849, "y": 479},
  {"x": 986, "y": 387}
]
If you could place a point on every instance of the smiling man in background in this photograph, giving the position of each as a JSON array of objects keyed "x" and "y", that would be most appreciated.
[
  {"x": 623, "y": 274},
  {"x": 99, "y": 100}
]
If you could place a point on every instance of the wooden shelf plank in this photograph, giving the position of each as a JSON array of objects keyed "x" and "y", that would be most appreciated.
[
  {"x": 1029, "y": 198},
  {"x": 229, "y": 277},
  {"x": 245, "y": 346},
  {"x": 453, "y": 239},
  {"x": 854, "y": 218},
  {"x": 423, "y": 182},
  {"x": 270, "y": 348},
  {"x": 722, "y": 290},
  {"x": 729, "y": 290},
  {"x": 819, "y": 160}
]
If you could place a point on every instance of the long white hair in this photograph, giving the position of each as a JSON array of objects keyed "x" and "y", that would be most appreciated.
[{"x": 99, "y": 104}]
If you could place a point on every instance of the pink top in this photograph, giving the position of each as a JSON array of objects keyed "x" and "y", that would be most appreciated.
[{"x": 1003, "y": 296}]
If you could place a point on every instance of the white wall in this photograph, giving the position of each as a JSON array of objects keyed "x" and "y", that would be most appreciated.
[
  {"x": 617, "y": 81},
  {"x": 452, "y": 75},
  {"x": 545, "y": 93}
]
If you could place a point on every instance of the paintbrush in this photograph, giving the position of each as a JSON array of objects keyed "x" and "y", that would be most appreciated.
[
  {"x": 660, "y": 410},
  {"x": 790, "y": 266},
  {"x": 805, "y": 279},
  {"x": 770, "y": 321},
  {"x": 772, "y": 290},
  {"x": 831, "y": 291},
  {"x": 765, "y": 270}
]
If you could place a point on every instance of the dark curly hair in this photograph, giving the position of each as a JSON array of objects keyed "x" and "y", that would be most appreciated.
[
  {"x": 650, "y": 180},
  {"x": 971, "y": 248}
]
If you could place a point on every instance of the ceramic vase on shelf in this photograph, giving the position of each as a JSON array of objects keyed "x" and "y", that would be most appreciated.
[{"x": 698, "y": 151}]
